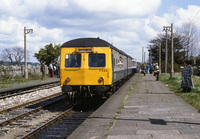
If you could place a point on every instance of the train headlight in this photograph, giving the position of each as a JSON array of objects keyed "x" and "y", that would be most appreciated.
[
  {"x": 68, "y": 79},
  {"x": 101, "y": 79}
]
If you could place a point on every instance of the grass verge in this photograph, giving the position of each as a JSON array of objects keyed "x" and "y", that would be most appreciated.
[
  {"x": 193, "y": 97},
  {"x": 8, "y": 80}
]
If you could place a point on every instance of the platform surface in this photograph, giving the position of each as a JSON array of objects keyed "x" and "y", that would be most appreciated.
[
  {"x": 147, "y": 110},
  {"x": 32, "y": 83}
]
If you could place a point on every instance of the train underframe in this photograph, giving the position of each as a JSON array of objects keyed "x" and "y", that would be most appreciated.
[{"x": 77, "y": 94}]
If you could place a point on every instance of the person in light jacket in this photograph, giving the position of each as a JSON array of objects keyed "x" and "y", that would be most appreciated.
[
  {"x": 156, "y": 72},
  {"x": 186, "y": 75}
]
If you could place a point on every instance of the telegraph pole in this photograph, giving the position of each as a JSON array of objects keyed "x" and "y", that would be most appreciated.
[
  {"x": 26, "y": 31},
  {"x": 172, "y": 58},
  {"x": 166, "y": 28},
  {"x": 159, "y": 57},
  {"x": 142, "y": 55},
  {"x": 150, "y": 55}
]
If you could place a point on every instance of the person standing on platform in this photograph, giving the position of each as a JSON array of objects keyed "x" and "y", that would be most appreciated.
[
  {"x": 51, "y": 72},
  {"x": 148, "y": 69},
  {"x": 43, "y": 70},
  {"x": 156, "y": 72},
  {"x": 144, "y": 69},
  {"x": 186, "y": 75},
  {"x": 56, "y": 70},
  {"x": 151, "y": 69}
]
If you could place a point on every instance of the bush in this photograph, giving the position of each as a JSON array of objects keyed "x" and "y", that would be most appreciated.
[
  {"x": 180, "y": 61},
  {"x": 6, "y": 77},
  {"x": 198, "y": 61},
  {"x": 34, "y": 76}
]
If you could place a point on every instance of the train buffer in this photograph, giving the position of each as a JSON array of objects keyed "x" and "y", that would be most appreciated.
[{"x": 142, "y": 108}]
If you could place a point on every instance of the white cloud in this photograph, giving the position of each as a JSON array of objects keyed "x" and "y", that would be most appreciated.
[
  {"x": 128, "y": 24},
  {"x": 120, "y": 7}
]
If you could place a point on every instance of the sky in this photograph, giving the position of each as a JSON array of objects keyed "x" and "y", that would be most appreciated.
[{"x": 127, "y": 24}]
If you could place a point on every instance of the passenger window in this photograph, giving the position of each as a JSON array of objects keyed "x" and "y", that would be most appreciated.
[
  {"x": 97, "y": 60},
  {"x": 72, "y": 60}
]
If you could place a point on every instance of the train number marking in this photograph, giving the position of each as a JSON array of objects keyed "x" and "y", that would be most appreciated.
[{"x": 103, "y": 70}]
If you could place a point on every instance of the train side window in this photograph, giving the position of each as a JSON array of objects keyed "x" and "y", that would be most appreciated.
[
  {"x": 72, "y": 60},
  {"x": 97, "y": 60}
]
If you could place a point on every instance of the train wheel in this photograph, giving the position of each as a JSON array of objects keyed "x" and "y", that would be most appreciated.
[
  {"x": 113, "y": 89},
  {"x": 71, "y": 97}
]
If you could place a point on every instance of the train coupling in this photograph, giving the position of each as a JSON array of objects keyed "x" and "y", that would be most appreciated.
[
  {"x": 66, "y": 88},
  {"x": 101, "y": 88}
]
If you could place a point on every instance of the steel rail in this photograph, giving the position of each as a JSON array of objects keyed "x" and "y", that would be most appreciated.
[
  {"x": 38, "y": 129},
  {"x": 31, "y": 102},
  {"x": 3, "y": 123}
]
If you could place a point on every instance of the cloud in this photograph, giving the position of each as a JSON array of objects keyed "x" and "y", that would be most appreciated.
[
  {"x": 120, "y": 7},
  {"x": 128, "y": 24}
]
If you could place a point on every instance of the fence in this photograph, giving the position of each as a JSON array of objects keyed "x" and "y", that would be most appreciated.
[{"x": 19, "y": 69}]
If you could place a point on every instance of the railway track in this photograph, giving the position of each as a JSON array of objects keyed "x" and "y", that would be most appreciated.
[
  {"x": 53, "y": 126},
  {"x": 17, "y": 121},
  {"x": 30, "y": 102},
  {"x": 20, "y": 117},
  {"x": 59, "y": 127},
  {"x": 66, "y": 122},
  {"x": 23, "y": 112}
]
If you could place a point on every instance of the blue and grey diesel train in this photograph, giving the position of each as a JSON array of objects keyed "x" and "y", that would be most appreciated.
[{"x": 92, "y": 66}]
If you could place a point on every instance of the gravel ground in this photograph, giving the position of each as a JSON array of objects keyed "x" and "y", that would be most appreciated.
[
  {"x": 15, "y": 132},
  {"x": 16, "y": 100}
]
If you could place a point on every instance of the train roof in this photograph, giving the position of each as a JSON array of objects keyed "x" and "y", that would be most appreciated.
[{"x": 91, "y": 42}]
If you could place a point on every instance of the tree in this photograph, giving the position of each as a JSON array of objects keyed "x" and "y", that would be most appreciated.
[
  {"x": 189, "y": 39},
  {"x": 161, "y": 38},
  {"x": 178, "y": 49},
  {"x": 14, "y": 55},
  {"x": 49, "y": 54}
]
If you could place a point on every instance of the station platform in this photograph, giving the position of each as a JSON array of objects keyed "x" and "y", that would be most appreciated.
[
  {"x": 142, "y": 108},
  {"x": 18, "y": 86}
]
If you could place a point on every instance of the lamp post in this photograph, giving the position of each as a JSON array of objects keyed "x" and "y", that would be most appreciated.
[{"x": 26, "y": 31}]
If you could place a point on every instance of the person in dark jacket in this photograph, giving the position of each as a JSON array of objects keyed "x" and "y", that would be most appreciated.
[
  {"x": 51, "y": 72},
  {"x": 151, "y": 69},
  {"x": 144, "y": 69},
  {"x": 186, "y": 76}
]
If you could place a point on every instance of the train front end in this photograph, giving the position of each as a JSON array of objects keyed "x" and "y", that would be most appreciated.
[{"x": 85, "y": 67}]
